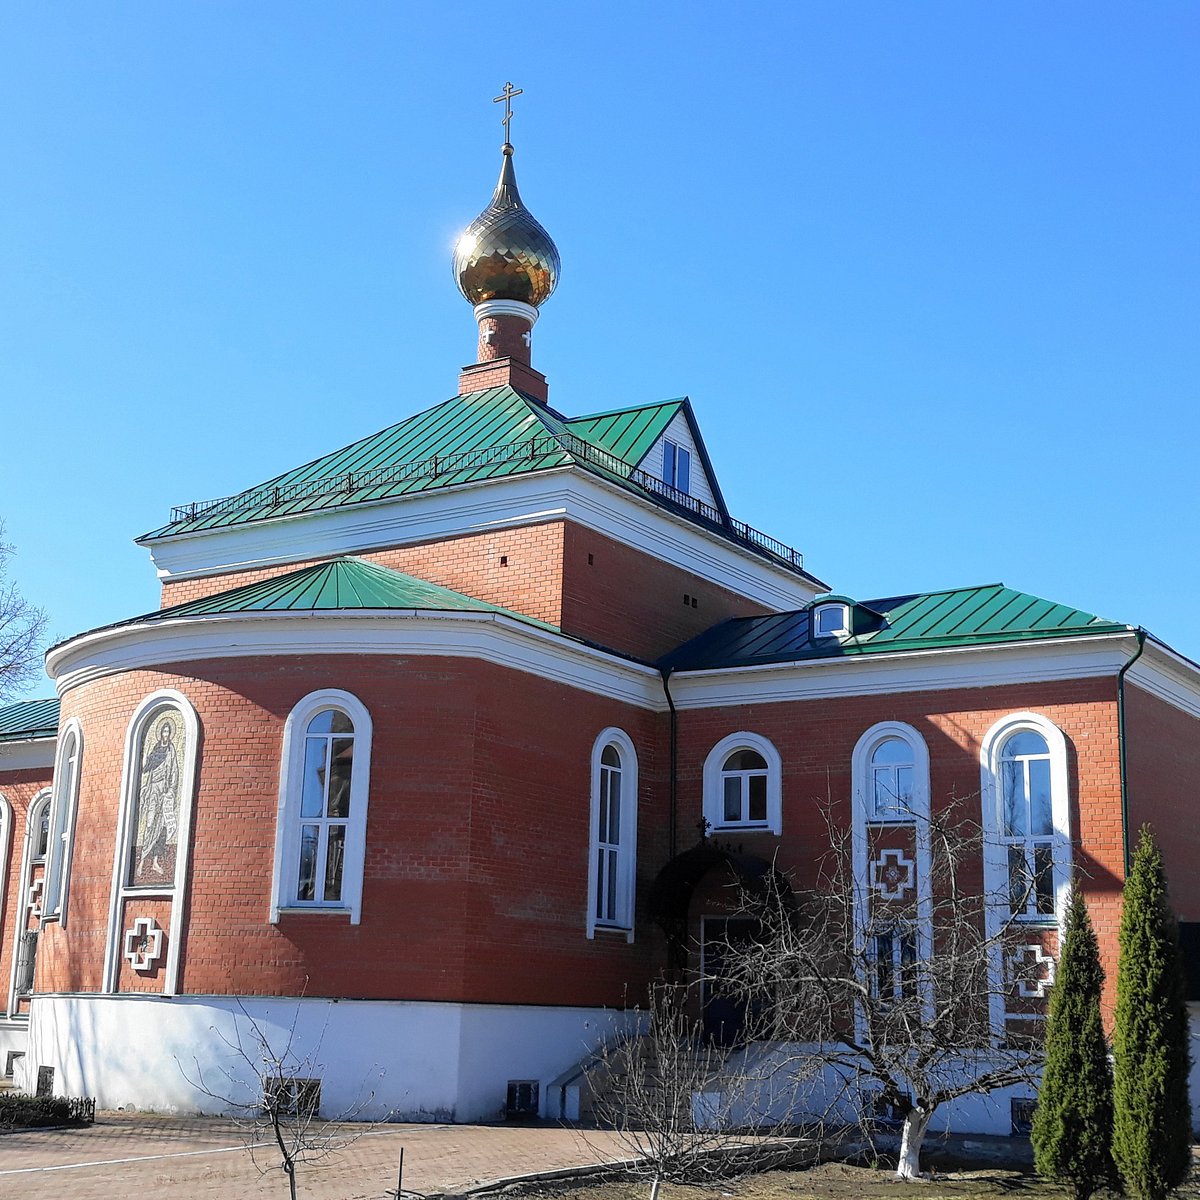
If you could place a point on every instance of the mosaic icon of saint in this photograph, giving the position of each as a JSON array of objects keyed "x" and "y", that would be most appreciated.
[{"x": 158, "y": 810}]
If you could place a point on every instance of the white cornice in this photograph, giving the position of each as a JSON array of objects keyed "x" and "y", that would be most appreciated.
[
  {"x": 28, "y": 754},
  {"x": 566, "y": 493},
  {"x": 1169, "y": 676},
  {"x": 913, "y": 671},
  {"x": 488, "y": 637}
]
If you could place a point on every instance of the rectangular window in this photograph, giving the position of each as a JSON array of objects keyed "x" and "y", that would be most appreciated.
[
  {"x": 895, "y": 955},
  {"x": 677, "y": 467}
]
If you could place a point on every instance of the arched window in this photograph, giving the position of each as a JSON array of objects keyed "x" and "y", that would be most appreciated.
[
  {"x": 742, "y": 784},
  {"x": 320, "y": 837},
  {"x": 60, "y": 827},
  {"x": 612, "y": 857}
]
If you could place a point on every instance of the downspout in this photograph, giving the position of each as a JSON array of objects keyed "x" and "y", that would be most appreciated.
[
  {"x": 674, "y": 780},
  {"x": 1140, "y": 634}
]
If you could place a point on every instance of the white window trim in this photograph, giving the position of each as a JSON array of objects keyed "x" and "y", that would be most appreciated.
[
  {"x": 627, "y": 855},
  {"x": 35, "y": 805},
  {"x": 6, "y": 824},
  {"x": 63, "y": 809},
  {"x": 287, "y": 823},
  {"x": 836, "y": 634},
  {"x": 145, "y": 712},
  {"x": 863, "y": 816},
  {"x": 714, "y": 808},
  {"x": 995, "y": 856}
]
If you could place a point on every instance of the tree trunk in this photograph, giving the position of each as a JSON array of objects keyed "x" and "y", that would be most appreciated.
[
  {"x": 915, "y": 1124},
  {"x": 655, "y": 1184}
]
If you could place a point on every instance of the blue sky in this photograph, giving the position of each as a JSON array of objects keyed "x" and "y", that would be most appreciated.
[{"x": 930, "y": 272}]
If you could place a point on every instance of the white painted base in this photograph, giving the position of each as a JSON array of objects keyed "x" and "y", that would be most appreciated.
[
  {"x": 377, "y": 1060},
  {"x": 14, "y": 1035}
]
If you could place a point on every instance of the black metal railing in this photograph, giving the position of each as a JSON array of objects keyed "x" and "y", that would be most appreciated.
[
  {"x": 26, "y": 962},
  {"x": 355, "y": 486}
]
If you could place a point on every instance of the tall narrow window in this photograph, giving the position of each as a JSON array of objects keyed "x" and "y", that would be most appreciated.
[
  {"x": 892, "y": 779},
  {"x": 677, "y": 467},
  {"x": 613, "y": 840},
  {"x": 61, "y": 823},
  {"x": 742, "y": 784},
  {"x": 1027, "y": 823},
  {"x": 320, "y": 838}
]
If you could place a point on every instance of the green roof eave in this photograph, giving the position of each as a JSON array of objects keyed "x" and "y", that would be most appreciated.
[{"x": 29, "y": 720}]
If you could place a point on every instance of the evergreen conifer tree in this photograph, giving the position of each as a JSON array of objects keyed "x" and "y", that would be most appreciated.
[
  {"x": 1152, "y": 1120},
  {"x": 1072, "y": 1127}
]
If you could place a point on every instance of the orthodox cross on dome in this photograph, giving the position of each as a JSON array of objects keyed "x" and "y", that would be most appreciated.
[{"x": 507, "y": 96}]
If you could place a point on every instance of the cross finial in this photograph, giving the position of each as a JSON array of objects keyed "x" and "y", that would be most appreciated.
[{"x": 507, "y": 96}]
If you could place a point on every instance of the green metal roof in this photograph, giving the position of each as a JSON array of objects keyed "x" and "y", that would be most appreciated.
[
  {"x": 341, "y": 584},
  {"x": 629, "y": 433},
  {"x": 485, "y": 435},
  {"x": 28, "y": 719},
  {"x": 933, "y": 620}
]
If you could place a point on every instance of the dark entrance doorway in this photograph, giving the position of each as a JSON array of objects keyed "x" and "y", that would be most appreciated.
[{"x": 723, "y": 1014}]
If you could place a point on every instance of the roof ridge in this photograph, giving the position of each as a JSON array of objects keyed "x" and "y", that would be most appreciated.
[{"x": 612, "y": 412}]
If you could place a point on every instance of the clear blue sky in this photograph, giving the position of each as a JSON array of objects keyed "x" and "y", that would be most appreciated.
[{"x": 930, "y": 272}]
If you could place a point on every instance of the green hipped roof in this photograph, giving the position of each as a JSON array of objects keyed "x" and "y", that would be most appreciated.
[
  {"x": 933, "y": 620},
  {"x": 28, "y": 719},
  {"x": 492, "y": 434},
  {"x": 341, "y": 584}
]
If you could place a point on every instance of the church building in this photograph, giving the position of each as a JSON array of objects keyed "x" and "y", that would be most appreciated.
[{"x": 440, "y": 747}]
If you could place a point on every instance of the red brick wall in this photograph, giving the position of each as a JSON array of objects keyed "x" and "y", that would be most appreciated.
[
  {"x": 627, "y": 600},
  {"x": 816, "y": 740},
  {"x": 518, "y": 568},
  {"x": 476, "y": 870},
  {"x": 19, "y": 789},
  {"x": 622, "y": 598},
  {"x": 1163, "y": 762}
]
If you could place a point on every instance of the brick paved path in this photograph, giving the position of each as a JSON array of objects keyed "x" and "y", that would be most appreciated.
[{"x": 138, "y": 1157}]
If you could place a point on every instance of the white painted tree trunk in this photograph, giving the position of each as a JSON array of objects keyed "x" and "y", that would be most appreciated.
[
  {"x": 655, "y": 1184},
  {"x": 915, "y": 1124}
]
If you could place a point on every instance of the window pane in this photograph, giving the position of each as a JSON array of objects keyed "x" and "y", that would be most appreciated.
[
  {"x": 884, "y": 966},
  {"x": 1018, "y": 879},
  {"x": 831, "y": 620},
  {"x": 669, "y": 463},
  {"x": 600, "y": 878},
  {"x": 683, "y": 470},
  {"x": 43, "y": 834},
  {"x": 340, "y": 765},
  {"x": 1016, "y": 812},
  {"x": 733, "y": 798},
  {"x": 312, "y": 796},
  {"x": 908, "y": 965},
  {"x": 611, "y": 912},
  {"x": 321, "y": 723},
  {"x": 1025, "y": 742},
  {"x": 602, "y": 824},
  {"x": 892, "y": 750},
  {"x": 904, "y": 788},
  {"x": 745, "y": 760},
  {"x": 609, "y": 757},
  {"x": 883, "y": 790},
  {"x": 335, "y": 855},
  {"x": 614, "y": 808},
  {"x": 306, "y": 886},
  {"x": 758, "y": 797},
  {"x": 1043, "y": 879},
  {"x": 340, "y": 723},
  {"x": 1041, "y": 816}
]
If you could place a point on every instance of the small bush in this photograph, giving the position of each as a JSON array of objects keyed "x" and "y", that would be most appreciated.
[{"x": 33, "y": 1112}]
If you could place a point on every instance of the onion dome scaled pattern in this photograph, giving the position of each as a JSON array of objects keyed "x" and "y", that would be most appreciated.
[{"x": 504, "y": 254}]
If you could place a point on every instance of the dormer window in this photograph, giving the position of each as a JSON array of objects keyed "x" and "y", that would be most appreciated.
[
  {"x": 677, "y": 467},
  {"x": 831, "y": 621}
]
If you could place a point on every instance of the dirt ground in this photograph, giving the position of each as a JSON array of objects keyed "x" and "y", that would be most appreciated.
[{"x": 845, "y": 1181}]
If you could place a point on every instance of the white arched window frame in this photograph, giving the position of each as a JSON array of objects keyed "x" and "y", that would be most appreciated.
[
  {"x": 39, "y": 809},
  {"x": 1001, "y": 848},
  {"x": 150, "y": 709},
  {"x": 67, "y": 765},
  {"x": 290, "y": 823},
  {"x": 873, "y": 804},
  {"x": 612, "y": 837},
  {"x": 715, "y": 783}
]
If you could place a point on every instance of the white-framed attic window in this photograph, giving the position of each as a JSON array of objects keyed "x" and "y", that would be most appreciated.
[
  {"x": 831, "y": 620},
  {"x": 677, "y": 466}
]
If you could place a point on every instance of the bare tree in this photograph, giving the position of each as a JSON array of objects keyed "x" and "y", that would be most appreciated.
[
  {"x": 679, "y": 1105},
  {"x": 886, "y": 987},
  {"x": 273, "y": 1093},
  {"x": 22, "y": 628}
]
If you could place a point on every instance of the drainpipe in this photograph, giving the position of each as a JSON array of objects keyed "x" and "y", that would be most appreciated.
[
  {"x": 665, "y": 672},
  {"x": 1140, "y": 634}
]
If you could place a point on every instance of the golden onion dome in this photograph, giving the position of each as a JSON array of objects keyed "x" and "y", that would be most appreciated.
[{"x": 504, "y": 254}]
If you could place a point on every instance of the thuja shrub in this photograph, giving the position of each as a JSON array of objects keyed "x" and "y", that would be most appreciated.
[{"x": 1151, "y": 1117}]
